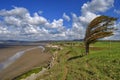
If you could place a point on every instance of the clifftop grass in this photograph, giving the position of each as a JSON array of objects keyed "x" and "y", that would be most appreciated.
[{"x": 103, "y": 62}]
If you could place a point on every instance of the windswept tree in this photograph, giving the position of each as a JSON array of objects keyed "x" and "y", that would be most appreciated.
[{"x": 99, "y": 27}]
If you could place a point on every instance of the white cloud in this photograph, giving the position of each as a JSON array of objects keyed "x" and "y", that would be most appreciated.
[
  {"x": 36, "y": 19},
  {"x": 117, "y": 11},
  {"x": 97, "y": 6},
  {"x": 57, "y": 23},
  {"x": 40, "y": 12},
  {"x": 3, "y": 30},
  {"x": 66, "y": 17},
  {"x": 89, "y": 11},
  {"x": 12, "y": 21},
  {"x": 17, "y": 23},
  {"x": 17, "y": 11}
]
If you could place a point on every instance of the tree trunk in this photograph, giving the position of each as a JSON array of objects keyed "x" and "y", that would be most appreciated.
[{"x": 86, "y": 48}]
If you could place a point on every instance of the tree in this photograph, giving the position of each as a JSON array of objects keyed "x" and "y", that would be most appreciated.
[{"x": 99, "y": 27}]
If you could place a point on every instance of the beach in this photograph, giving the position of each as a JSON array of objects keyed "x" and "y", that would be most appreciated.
[{"x": 29, "y": 60}]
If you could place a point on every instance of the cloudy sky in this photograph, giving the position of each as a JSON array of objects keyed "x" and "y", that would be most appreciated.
[{"x": 53, "y": 19}]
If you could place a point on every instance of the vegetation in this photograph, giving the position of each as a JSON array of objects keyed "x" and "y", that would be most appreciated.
[
  {"x": 99, "y": 27},
  {"x": 26, "y": 74},
  {"x": 102, "y": 64}
]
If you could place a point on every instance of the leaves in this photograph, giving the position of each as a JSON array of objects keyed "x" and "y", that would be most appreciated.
[{"x": 98, "y": 28}]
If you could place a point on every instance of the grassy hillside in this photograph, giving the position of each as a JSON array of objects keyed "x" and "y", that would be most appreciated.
[{"x": 103, "y": 62}]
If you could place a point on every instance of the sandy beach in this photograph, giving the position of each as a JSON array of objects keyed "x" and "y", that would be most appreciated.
[
  {"x": 6, "y": 52},
  {"x": 31, "y": 59}
]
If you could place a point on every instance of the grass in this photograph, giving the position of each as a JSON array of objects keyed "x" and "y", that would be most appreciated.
[
  {"x": 28, "y": 73},
  {"x": 103, "y": 62}
]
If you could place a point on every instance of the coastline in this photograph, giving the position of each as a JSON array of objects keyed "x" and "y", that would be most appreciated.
[
  {"x": 8, "y": 51},
  {"x": 30, "y": 59},
  {"x": 16, "y": 56}
]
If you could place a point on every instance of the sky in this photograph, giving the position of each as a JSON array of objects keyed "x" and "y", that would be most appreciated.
[{"x": 35, "y": 20}]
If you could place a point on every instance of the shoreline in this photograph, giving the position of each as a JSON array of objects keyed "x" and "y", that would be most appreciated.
[
  {"x": 8, "y": 51},
  {"x": 16, "y": 56},
  {"x": 31, "y": 58}
]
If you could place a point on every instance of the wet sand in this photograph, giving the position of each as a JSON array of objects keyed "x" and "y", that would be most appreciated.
[
  {"x": 31, "y": 59},
  {"x": 9, "y": 51}
]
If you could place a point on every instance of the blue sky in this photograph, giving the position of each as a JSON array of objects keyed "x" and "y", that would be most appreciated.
[{"x": 52, "y": 19}]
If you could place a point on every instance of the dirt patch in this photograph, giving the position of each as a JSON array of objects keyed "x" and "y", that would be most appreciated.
[
  {"x": 65, "y": 73},
  {"x": 98, "y": 48}
]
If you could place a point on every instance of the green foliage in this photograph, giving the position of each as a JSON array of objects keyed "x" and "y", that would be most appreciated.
[{"x": 26, "y": 74}]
